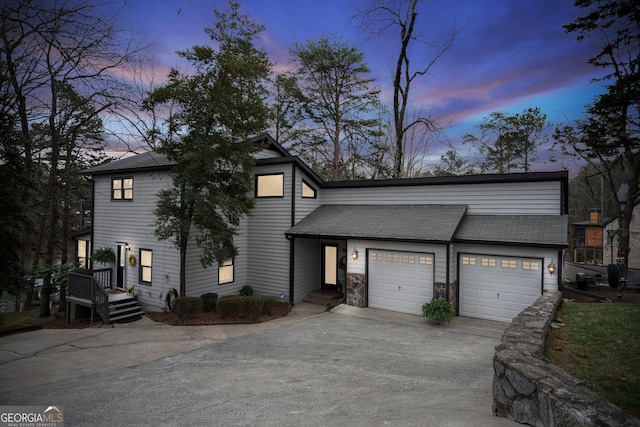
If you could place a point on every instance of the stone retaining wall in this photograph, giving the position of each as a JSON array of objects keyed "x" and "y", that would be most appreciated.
[{"x": 530, "y": 391}]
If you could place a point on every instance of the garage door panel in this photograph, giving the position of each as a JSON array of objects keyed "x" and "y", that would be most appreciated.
[
  {"x": 486, "y": 294},
  {"x": 502, "y": 290},
  {"x": 391, "y": 272},
  {"x": 509, "y": 297},
  {"x": 409, "y": 274},
  {"x": 488, "y": 311},
  {"x": 469, "y": 308},
  {"x": 468, "y": 293},
  {"x": 397, "y": 284},
  {"x": 507, "y": 313}
]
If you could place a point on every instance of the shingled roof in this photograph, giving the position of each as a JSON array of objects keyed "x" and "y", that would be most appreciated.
[
  {"x": 145, "y": 161},
  {"x": 431, "y": 223},
  {"x": 537, "y": 230},
  {"x": 424, "y": 223}
]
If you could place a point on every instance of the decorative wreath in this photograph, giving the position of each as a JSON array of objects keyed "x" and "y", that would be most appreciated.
[{"x": 132, "y": 260}]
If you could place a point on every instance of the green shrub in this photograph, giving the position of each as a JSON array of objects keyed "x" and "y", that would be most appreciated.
[
  {"x": 209, "y": 301},
  {"x": 246, "y": 291},
  {"x": 187, "y": 307},
  {"x": 104, "y": 255},
  {"x": 241, "y": 306},
  {"x": 438, "y": 310},
  {"x": 269, "y": 305}
]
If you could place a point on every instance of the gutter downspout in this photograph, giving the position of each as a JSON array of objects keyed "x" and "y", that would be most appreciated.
[
  {"x": 292, "y": 244},
  {"x": 93, "y": 201},
  {"x": 292, "y": 247},
  {"x": 448, "y": 272}
]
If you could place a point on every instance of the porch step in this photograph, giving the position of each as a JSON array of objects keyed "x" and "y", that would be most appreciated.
[
  {"x": 324, "y": 297},
  {"x": 125, "y": 310}
]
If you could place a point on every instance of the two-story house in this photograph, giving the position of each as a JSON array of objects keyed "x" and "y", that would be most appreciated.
[
  {"x": 587, "y": 239},
  {"x": 490, "y": 244}
]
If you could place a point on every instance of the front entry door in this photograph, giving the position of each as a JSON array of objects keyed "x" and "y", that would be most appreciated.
[
  {"x": 330, "y": 266},
  {"x": 120, "y": 263}
]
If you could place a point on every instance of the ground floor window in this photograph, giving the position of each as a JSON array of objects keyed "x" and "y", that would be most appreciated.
[
  {"x": 145, "y": 269},
  {"x": 588, "y": 256},
  {"x": 225, "y": 272}
]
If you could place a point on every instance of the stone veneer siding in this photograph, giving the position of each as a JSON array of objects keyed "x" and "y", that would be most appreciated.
[
  {"x": 356, "y": 290},
  {"x": 530, "y": 391}
]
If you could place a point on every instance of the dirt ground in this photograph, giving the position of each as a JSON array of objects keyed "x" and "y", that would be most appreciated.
[{"x": 626, "y": 295}]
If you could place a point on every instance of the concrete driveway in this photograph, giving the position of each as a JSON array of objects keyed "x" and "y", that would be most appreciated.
[{"x": 348, "y": 367}]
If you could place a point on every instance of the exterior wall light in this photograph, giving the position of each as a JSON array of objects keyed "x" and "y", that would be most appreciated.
[
  {"x": 354, "y": 254},
  {"x": 552, "y": 268}
]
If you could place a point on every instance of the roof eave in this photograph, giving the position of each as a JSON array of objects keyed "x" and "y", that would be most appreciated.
[
  {"x": 384, "y": 239},
  {"x": 508, "y": 243}
]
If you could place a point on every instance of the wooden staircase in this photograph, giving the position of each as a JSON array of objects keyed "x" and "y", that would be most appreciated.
[
  {"x": 324, "y": 297},
  {"x": 124, "y": 310}
]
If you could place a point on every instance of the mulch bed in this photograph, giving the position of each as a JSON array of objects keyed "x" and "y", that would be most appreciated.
[
  {"x": 213, "y": 318},
  {"x": 58, "y": 320}
]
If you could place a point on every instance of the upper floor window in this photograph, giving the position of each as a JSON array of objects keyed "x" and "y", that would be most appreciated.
[
  {"x": 146, "y": 260},
  {"x": 308, "y": 192},
  {"x": 122, "y": 189},
  {"x": 270, "y": 185}
]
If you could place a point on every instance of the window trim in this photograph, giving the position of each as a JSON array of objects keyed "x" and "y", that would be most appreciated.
[
  {"x": 141, "y": 267},
  {"x": 311, "y": 187},
  {"x": 233, "y": 270},
  {"x": 121, "y": 189},
  {"x": 257, "y": 189}
]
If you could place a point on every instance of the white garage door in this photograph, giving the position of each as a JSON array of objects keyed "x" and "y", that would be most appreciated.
[
  {"x": 400, "y": 281},
  {"x": 498, "y": 287}
]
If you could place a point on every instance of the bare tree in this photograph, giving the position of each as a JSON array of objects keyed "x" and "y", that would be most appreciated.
[
  {"x": 400, "y": 16},
  {"x": 610, "y": 135},
  {"x": 48, "y": 51}
]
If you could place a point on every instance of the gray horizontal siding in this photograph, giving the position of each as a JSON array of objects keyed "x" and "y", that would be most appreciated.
[
  {"x": 521, "y": 198},
  {"x": 267, "y": 154},
  {"x": 133, "y": 222},
  {"x": 268, "y": 248},
  {"x": 203, "y": 280},
  {"x": 308, "y": 262},
  {"x": 304, "y": 206}
]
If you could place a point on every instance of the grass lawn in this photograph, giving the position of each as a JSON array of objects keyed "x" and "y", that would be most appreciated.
[
  {"x": 16, "y": 318},
  {"x": 600, "y": 345}
]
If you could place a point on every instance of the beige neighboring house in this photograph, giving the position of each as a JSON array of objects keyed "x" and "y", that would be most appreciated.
[{"x": 610, "y": 240}]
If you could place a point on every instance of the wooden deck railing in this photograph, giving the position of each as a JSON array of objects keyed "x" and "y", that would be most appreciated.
[{"x": 90, "y": 285}]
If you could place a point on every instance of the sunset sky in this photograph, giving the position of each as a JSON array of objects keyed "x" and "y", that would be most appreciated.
[{"x": 509, "y": 56}]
